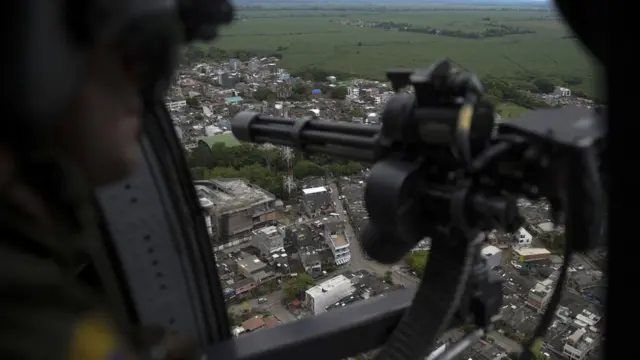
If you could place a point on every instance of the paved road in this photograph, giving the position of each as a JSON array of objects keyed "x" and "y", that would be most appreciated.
[
  {"x": 504, "y": 342},
  {"x": 273, "y": 305},
  {"x": 358, "y": 260}
]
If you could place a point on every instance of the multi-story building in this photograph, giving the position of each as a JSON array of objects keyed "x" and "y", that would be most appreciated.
[
  {"x": 579, "y": 344},
  {"x": 207, "y": 212},
  {"x": 493, "y": 255},
  {"x": 254, "y": 269},
  {"x": 268, "y": 240},
  {"x": 338, "y": 242},
  {"x": 540, "y": 295},
  {"x": 238, "y": 208},
  {"x": 319, "y": 297},
  {"x": 310, "y": 260}
]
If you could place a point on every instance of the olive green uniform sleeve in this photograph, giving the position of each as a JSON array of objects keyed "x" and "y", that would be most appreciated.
[
  {"x": 38, "y": 311},
  {"x": 46, "y": 312}
]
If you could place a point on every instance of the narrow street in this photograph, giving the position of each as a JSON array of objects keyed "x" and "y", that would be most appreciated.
[
  {"x": 358, "y": 260},
  {"x": 504, "y": 342},
  {"x": 273, "y": 305}
]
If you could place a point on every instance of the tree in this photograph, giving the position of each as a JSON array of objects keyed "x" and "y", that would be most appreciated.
[
  {"x": 296, "y": 286},
  {"x": 301, "y": 88},
  {"x": 388, "y": 277},
  {"x": 356, "y": 112},
  {"x": 193, "y": 102},
  {"x": 536, "y": 349},
  {"x": 306, "y": 168},
  {"x": 417, "y": 261},
  {"x": 263, "y": 93},
  {"x": 339, "y": 93},
  {"x": 545, "y": 86}
]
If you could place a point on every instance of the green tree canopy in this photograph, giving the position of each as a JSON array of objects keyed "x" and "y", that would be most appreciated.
[
  {"x": 388, "y": 277},
  {"x": 306, "y": 168},
  {"x": 295, "y": 287},
  {"x": 339, "y": 93},
  {"x": 264, "y": 93},
  {"x": 417, "y": 260},
  {"x": 263, "y": 166},
  {"x": 544, "y": 85}
]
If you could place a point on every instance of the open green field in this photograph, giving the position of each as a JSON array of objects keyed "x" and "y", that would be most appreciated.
[
  {"x": 315, "y": 38},
  {"x": 227, "y": 139}
]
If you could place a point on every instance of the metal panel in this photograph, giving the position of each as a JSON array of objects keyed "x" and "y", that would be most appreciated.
[{"x": 142, "y": 223}]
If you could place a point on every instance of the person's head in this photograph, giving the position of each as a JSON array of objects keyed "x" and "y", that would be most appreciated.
[
  {"x": 77, "y": 88},
  {"x": 98, "y": 130},
  {"x": 77, "y": 77}
]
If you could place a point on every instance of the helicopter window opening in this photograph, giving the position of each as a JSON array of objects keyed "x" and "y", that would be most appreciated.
[{"x": 270, "y": 239}]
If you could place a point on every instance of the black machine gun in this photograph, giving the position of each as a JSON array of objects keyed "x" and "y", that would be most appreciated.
[{"x": 442, "y": 169}]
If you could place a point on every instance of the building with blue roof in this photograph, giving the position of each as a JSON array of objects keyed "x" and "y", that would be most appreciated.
[{"x": 232, "y": 100}]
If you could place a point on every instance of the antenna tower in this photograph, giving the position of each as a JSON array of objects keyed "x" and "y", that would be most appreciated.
[{"x": 287, "y": 155}]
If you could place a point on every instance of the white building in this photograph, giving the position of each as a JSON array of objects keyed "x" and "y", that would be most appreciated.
[
  {"x": 317, "y": 195},
  {"x": 233, "y": 64},
  {"x": 582, "y": 341},
  {"x": 339, "y": 247},
  {"x": 522, "y": 238},
  {"x": 320, "y": 296},
  {"x": 179, "y": 133},
  {"x": 493, "y": 255},
  {"x": 269, "y": 240},
  {"x": 207, "y": 211},
  {"x": 177, "y": 105},
  {"x": 563, "y": 92}
]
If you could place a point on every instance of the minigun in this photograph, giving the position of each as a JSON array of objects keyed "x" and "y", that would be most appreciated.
[{"x": 442, "y": 168}]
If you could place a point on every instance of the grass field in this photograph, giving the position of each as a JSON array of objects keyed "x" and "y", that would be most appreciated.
[
  {"x": 510, "y": 110},
  {"x": 227, "y": 139},
  {"x": 313, "y": 38}
]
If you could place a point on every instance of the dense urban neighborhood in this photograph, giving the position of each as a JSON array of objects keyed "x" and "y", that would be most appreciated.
[{"x": 284, "y": 226}]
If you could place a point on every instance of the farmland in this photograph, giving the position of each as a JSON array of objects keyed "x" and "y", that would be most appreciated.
[{"x": 332, "y": 40}]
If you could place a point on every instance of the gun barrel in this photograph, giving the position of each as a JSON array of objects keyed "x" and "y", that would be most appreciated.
[{"x": 349, "y": 141}]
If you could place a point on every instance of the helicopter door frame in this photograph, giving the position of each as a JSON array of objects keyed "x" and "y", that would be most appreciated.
[
  {"x": 163, "y": 249},
  {"x": 337, "y": 334}
]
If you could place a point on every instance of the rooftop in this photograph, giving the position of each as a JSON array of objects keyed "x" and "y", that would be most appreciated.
[
  {"x": 314, "y": 190},
  {"x": 339, "y": 240},
  {"x": 233, "y": 99},
  {"x": 531, "y": 251},
  {"x": 269, "y": 231},
  {"x": 232, "y": 194},
  {"x": 490, "y": 250},
  {"x": 328, "y": 285},
  {"x": 251, "y": 263},
  {"x": 253, "y": 323}
]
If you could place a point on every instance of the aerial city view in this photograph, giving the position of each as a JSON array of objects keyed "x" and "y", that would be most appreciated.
[{"x": 284, "y": 226}]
